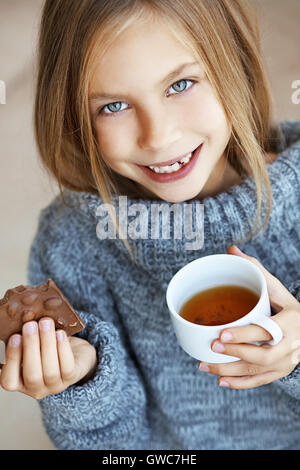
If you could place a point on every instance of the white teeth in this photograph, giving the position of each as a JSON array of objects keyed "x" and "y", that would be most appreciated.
[
  {"x": 186, "y": 159},
  {"x": 172, "y": 168}
]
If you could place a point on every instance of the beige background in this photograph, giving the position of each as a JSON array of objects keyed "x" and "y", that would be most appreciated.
[{"x": 25, "y": 188}]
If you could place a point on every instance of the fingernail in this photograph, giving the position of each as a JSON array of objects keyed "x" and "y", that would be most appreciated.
[
  {"x": 45, "y": 325},
  {"x": 218, "y": 347},
  {"x": 60, "y": 334},
  {"x": 15, "y": 341},
  {"x": 222, "y": 383},
  {"x": 238, "y": 250},
  {"x": 30, "y": 328},
  {"x": 203, "y": 367},
  {"x": 226, "y": 336}
]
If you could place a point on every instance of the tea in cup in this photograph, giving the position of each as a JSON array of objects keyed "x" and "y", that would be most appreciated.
[{"x": 213, "y": 293}]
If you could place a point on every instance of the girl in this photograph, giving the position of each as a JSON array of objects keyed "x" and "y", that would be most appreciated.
[{"x": 161, "y": 102}]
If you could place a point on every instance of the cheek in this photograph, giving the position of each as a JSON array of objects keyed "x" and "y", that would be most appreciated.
[
  {"x": 112, "y": 141},
  {"x": 207, "y": 114}
]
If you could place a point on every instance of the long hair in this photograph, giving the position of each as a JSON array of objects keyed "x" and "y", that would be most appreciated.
[{"x": 223, "y": 34}]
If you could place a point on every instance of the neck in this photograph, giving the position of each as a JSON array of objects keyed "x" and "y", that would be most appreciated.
[{"x": 224, "y": 176}]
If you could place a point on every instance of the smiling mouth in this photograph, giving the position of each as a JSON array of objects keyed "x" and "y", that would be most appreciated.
[
  {"x": 175, "y": 171},
  {"x": 173, "y": 167}
]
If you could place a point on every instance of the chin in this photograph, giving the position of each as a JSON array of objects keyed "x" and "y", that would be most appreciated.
[{"x": 177, "y": 198}]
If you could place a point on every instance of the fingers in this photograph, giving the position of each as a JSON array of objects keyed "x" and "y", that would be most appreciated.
[
  {"x": 249, "y": 381},
  {"x": 235, "y": 341},
  {"x": 245, "y": 334},
  {"x": 56, "y": 357},
  {"x": 66, "y": 356},
  {"x": 259, "y": 365},
  {"x": 264, "y": 355},
  {"x": 49, "y": 357},
  {"x": 232, "y": 369},
  {"x": 38, "y": 362},
  {"x": 242, "y": 374},
  {"x": 32, "y": 364},
  {"x": 10, "y": 378}
]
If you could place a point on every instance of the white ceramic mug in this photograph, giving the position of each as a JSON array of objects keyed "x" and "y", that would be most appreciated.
[{"x": 208, "y": 272}]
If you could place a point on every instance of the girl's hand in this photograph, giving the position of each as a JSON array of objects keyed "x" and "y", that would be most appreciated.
[
  {"x": 43, "y": 361},
  {"x": 263, "y": 364}
]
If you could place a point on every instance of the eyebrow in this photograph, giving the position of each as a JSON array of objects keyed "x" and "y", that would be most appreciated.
[{"x": 168, "y": 78}]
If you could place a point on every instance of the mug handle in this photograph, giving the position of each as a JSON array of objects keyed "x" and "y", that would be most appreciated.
[{"x": 265, "y": 322}]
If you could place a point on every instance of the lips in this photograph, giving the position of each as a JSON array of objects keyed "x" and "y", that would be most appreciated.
[{"x": 169, "y": 177}]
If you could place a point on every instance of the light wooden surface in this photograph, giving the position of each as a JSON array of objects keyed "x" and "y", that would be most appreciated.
[{"x": 25, "y": 188}]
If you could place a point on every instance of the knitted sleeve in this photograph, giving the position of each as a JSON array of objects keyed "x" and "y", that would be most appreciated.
[
  {"x": 291, "y": 383},
  {"x": 109, "y": 410}
]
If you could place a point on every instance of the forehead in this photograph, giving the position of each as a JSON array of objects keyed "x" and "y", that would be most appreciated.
[{"x": 147, "y": 50}]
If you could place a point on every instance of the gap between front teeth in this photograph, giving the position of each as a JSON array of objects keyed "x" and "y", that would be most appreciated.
[{"x": 172, "y": 168}]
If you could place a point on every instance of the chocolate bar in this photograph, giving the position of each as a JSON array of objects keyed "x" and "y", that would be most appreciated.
[{"x": 26, "y": 303}]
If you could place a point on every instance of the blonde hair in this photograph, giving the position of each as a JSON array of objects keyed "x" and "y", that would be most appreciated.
[{"x": 223, "y": 34}]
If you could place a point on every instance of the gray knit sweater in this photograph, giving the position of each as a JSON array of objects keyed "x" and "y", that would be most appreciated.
[{"x": 147, "y": 393}]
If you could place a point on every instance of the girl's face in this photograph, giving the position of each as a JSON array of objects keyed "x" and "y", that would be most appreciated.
[{"x": 151, "y": 104}]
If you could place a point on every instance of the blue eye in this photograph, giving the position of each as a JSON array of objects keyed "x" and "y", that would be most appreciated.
[
  {"x": 116, "y": 107},
  {"x": 181, "y": 86},
  {"x": 112, "y": 108}
]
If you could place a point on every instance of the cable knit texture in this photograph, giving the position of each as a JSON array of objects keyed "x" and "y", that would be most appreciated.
[{"x": 147, "y": 393}]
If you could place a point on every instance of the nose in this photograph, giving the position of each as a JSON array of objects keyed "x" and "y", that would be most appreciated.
[{"x": 158, "y": 131}]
